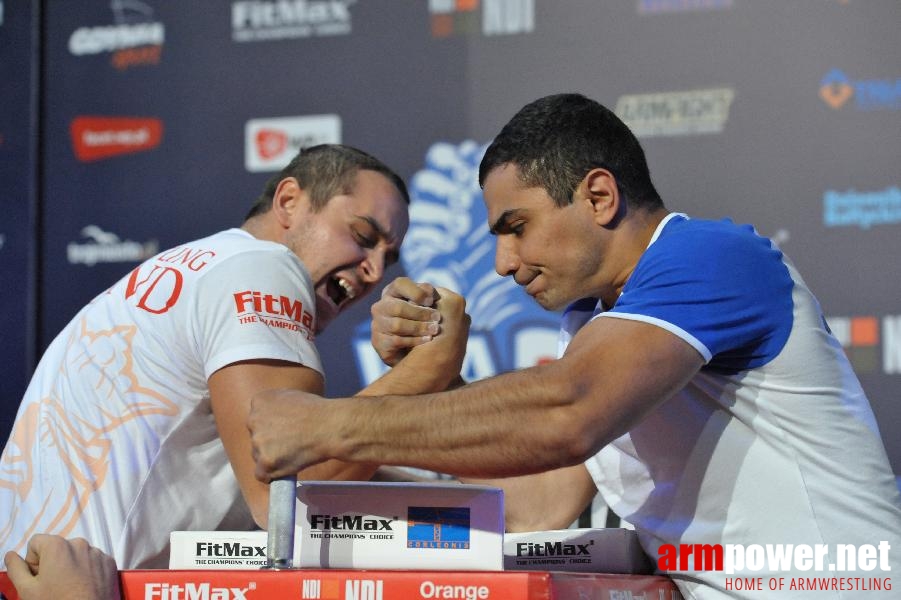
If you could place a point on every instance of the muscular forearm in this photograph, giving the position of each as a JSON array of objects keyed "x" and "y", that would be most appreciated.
[
  {"x": 517, "y": 423},
  {"x": 405, "y": 379},
  {"x": 417, "y": 373}
]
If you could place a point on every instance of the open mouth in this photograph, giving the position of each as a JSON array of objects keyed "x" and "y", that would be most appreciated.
[{"x": 339, "y": 290}]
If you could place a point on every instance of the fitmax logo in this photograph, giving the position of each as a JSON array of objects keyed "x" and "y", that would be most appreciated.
[
  {"x": 552, "y": 549},
  {"x": 263, "y": 20},
  {"x": 280, "y": 306},
  {"x": 194, "y": 591},
  {"x": 349, "y": 523},
  {"x": 227, "y": 549}
]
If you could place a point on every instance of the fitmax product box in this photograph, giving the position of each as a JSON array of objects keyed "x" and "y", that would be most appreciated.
[
  {"x": 436, "y": 526},
  {"x": 219, "y": 550},
  {"x": 578, "y": 550}
]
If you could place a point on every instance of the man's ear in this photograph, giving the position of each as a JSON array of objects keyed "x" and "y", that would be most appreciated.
[
  {"x": 598, "y": 188},
  {"x": 287, "y": 200}
]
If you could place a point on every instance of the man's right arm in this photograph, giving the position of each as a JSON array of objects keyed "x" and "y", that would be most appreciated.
[
  {"x": 426, "y": 368},
  {"x": 612, "y": 375}
]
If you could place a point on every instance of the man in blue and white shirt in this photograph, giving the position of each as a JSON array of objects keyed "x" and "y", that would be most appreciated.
[{"x": 698, "y": 387}]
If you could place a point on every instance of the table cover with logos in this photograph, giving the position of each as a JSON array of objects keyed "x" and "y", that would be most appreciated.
[{"x": 317, "y": 584}]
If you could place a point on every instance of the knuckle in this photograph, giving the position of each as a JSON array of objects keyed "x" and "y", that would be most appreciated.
[{"x": 79, "y": 544}]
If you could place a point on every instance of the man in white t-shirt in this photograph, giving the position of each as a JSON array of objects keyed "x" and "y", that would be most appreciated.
[
  {"x": 698, "y": 387},
  {"x": 134, "y": 423}
]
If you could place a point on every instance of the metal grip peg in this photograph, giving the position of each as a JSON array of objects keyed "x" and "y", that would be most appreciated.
[{"x": 280, "y": 538}]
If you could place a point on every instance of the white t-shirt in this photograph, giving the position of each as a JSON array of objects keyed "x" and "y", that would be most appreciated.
[
  {"x": 115, "y": 440},
  {"x": 772, "y": 442}
]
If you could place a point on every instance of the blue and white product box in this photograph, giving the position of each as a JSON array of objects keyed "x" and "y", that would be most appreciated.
[
  {"x": 579, "y": 550},
  {"x": 369, "y": 525}
]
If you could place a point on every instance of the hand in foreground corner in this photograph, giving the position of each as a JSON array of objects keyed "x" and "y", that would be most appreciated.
[{"x": 55, "y": 568}]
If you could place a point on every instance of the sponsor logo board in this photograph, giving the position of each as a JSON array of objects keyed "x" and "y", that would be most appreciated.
[
  {"x": 863, "y": 209},
  {"x": 840, "y": 91},
  {"x": 107, "y": 247},
  {"x": 270, "y": 144},
  {"x": 98, "y": 138},
  {"x": 266, "y": 20},
  {"x": 691, "y": 112},
  {"x": 134, "y": 38}
]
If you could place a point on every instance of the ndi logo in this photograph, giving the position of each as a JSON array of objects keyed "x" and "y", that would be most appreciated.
[
  {"x": 448, "y": 244},
  {"x": 837, "y": 89},
  {"x": 861, "y": 337},
  {"x": 497, "y": 17}
]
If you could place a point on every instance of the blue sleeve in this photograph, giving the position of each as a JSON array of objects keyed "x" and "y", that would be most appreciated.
[{"x": 720, "y": 287}]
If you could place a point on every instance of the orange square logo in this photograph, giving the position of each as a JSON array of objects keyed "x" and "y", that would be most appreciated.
[
  {"x": 330, "y": 589},
  {"x": 864, "y": 331}
]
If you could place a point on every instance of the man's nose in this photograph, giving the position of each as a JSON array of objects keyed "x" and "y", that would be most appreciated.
[
  {"x": 373, "y": 267},
  {"x": 506, "y": 261}
]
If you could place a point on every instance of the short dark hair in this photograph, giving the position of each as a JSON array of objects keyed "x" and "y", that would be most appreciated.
[
  {"x": 325, "y": 171},
  {"x": 556, "y": 140}
]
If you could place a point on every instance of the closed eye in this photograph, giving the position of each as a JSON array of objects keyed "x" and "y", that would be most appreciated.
[{"x": 365, "y": 240}]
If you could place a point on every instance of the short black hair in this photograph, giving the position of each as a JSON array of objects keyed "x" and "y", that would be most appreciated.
[
  {"x": 325, "y": 171},
  {"x": 556, "y": 140}
]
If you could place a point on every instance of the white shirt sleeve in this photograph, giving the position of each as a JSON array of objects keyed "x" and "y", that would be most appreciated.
[{"x": 256, "y": 305}]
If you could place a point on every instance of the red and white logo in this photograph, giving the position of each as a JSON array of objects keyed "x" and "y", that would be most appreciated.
[
  {"x": 96, "y": 138},
  {"x": 270, "y": 144},
  {"x": 275, "y": 311},
  {"x": 190, "y": 590}
]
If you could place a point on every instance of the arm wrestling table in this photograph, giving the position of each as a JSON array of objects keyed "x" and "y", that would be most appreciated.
[
  {"x": 279, "y": 583},
  {"x": 333, "y": 584}
]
